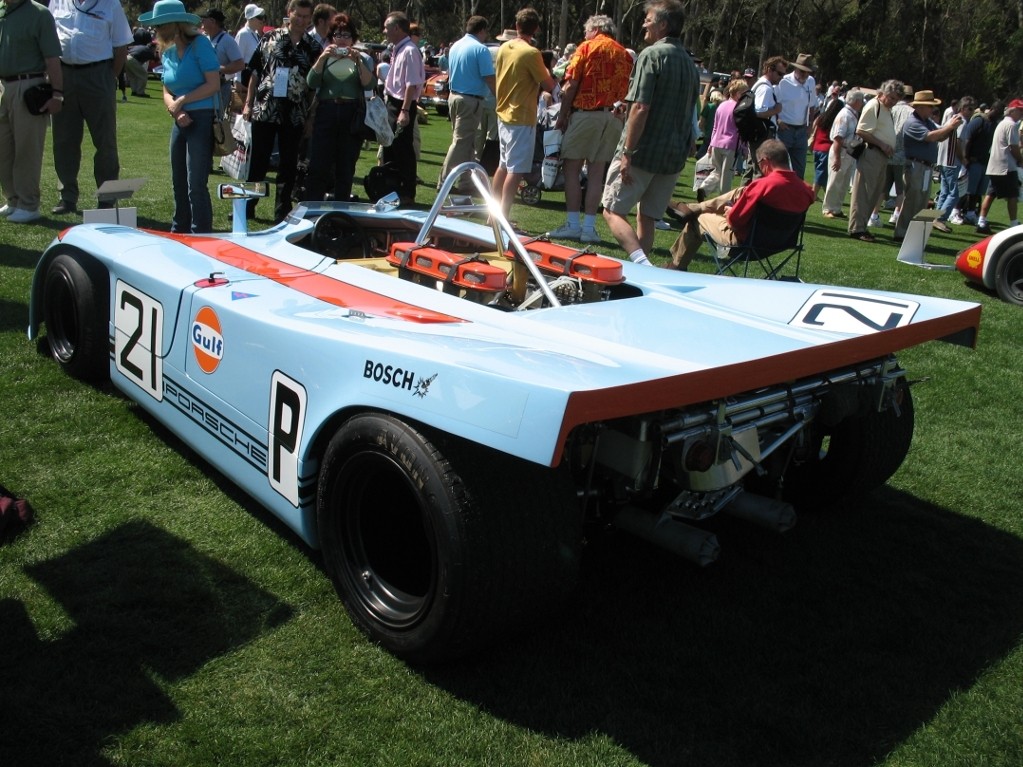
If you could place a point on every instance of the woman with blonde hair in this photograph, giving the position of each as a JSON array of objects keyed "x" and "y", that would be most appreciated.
[{"x": 191, "y": 84}]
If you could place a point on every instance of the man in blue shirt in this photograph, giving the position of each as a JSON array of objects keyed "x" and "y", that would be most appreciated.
[
  {"x": 920, "y": 137},
  {"x": 470, "y": 80}
]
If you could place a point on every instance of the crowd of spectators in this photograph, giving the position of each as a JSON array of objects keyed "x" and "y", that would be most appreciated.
[{"x": 629, "y": 122}]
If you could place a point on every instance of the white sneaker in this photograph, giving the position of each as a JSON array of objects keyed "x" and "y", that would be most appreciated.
[
  {"x": 662, "y": 224},
  {"x": 567, "y": 232},
  {"x": 875, "y": 220},
  {"x": 590, "y": 235},
  {"x": 7, "y": 210},
  {"x": 20, "y": 216},
  {"x": 955, "y": 219},
  {"x": 894, "y": 219}
]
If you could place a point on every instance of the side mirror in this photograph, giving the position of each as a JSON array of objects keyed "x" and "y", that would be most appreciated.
[
  {"x": 388, "y": 201},
  {"x": 242, "y": 190}
]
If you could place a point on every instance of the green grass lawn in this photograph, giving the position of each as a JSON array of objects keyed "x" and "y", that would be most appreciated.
[{"x": 156, "y": 616}]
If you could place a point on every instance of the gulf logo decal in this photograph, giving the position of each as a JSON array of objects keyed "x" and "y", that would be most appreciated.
[{"x": 207, "y": 341}]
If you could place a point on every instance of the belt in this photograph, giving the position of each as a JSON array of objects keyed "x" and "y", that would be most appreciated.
[
  {"x": 922, "y": 162},
  {"x": 782, "y": 125},
  {"x": 29, "y": 76},
  {"x": 595, "y": 109},
  {"x": 467, "y": 95},
  {"x": 340, "y": 101},
  {"x": 84, "y": 66}
]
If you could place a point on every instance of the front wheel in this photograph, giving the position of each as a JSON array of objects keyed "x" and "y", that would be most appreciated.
[
  {"x": 1009, "y": 275},
  {"x": 76, "y": 311},
  {"x": 435, "y": 552}
]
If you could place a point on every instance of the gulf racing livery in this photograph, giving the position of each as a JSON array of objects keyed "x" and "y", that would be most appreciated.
[{"x": 444, "y": 407}]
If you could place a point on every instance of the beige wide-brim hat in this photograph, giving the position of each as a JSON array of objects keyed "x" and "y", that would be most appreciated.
[
  {"x": 925, "y": 99},
  {"x": 804, "y": 61},
  {"x": 508, "y": 34}
]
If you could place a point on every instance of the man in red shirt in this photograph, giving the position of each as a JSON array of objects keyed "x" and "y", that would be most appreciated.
[
  {"x": 728, "y": 218},
  {"x": 596, "y": 80}
]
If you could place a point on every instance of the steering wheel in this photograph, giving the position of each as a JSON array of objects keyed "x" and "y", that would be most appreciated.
[{"x": 335, "y": 234}]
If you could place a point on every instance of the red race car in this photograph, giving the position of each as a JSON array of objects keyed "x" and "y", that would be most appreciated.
[{"x": 996, "y": 262}]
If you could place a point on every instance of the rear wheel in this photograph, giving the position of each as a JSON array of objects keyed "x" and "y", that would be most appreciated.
[
  {"x": 1009, "y": 275},
  {"x": 434, "y": 552},
  {"x": 856, "y": 455},
  {"x": 530, "y": 194},
  {"x": 76, "y": 311}
]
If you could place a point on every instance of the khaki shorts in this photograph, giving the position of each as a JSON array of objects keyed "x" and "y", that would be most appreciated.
[
  {"x": 518, "y": 145},
  {"x": 591, "y": 136},
  {"x": 651, "y": 191}
]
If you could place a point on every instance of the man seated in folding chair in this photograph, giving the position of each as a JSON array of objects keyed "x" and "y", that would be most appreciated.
[{"x": 750, "y": 223}]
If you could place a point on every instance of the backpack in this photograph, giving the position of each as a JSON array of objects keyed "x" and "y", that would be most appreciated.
[
  {"x": 751, "y": 128},
  {"x": 381, "y": 181},
  {"x": 15, "y": 514},
  {"x": 978, "y": 147}
]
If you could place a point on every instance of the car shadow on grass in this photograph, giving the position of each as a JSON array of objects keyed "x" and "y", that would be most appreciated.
[
  {"x": 829, "y": 645},
  {"x": 64, "y": 698}
]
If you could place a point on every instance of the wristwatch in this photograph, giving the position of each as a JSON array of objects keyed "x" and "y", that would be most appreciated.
[
  {"x": 628, "y": 152},
  {"x": 59, "y": 98}
]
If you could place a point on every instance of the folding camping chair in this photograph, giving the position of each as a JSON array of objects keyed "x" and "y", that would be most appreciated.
[{"x": 775, "y": 239}]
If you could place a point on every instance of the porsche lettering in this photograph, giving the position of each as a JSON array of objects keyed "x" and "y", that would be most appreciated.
[{"x": 213, "y": 422}]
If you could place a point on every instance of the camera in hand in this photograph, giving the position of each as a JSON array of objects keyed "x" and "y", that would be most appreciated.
[{"x": 341, "y": 52}]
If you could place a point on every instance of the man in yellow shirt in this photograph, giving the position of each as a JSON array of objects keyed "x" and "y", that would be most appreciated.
[{"x": 520, "y": 75}]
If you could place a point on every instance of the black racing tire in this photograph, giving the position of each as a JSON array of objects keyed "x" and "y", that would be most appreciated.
[
  {"x": 434, "y": 553},
  {"x": 76, "y": 311},
  {"x": 1009, "y": 275},
  {"x": 336, "y": 234},
  {"x": 856, "y": 455}
]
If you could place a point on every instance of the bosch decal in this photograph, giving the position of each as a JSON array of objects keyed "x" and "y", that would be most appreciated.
[
  {"x": 423, "y": 386},
  {"x": 207, "y": 341},
  {"x": 399, "y": 378}
]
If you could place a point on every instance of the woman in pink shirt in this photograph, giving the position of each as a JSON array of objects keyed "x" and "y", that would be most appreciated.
[{"x": 724, "y": 141}]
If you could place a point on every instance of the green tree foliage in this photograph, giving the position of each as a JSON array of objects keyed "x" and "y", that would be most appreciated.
[{"x": 949, "y": 46}]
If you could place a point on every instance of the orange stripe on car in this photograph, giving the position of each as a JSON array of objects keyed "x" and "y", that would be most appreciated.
[{"x": 318, "y": 286}]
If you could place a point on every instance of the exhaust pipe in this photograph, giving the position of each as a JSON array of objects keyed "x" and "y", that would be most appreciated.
[
  {"x": 766, "y": 512},
  {"x": 690, "y": 543}
]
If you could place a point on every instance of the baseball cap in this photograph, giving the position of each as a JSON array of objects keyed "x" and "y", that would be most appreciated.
[
  {"x": 1015, "y": 104},
  {"x": 749, "y": 72}
]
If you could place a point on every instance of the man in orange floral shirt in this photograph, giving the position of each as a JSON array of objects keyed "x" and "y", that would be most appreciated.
[{"x": 596, "y": 79}]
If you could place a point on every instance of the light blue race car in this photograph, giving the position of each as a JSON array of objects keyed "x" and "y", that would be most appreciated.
[{"x": 442, "y": 405}]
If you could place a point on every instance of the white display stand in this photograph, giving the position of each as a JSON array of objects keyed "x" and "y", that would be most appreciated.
[
  {"x": 115, "y": 191},
  {"x": 915, "y": 243}
]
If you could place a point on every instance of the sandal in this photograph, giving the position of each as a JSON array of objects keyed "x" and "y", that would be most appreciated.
[{"x": 863, "y": 237}]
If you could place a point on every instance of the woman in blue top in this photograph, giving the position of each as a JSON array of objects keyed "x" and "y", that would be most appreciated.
[
  {"x": 339, "y": 77},
  {"x": 191, "y": 84}
]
